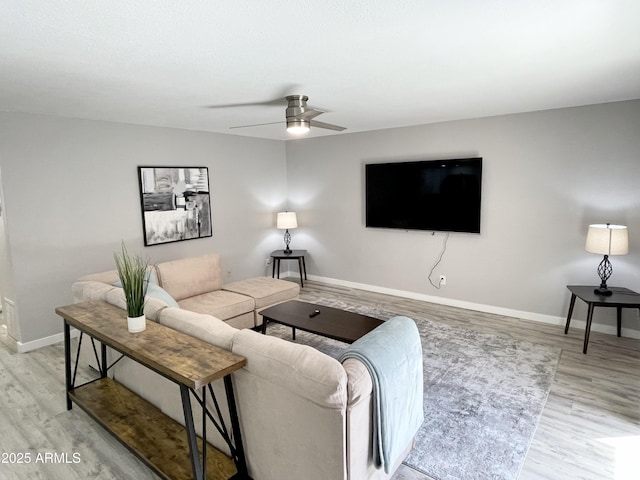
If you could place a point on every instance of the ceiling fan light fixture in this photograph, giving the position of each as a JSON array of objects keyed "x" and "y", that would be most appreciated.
[{"x": 298, "y": 126}]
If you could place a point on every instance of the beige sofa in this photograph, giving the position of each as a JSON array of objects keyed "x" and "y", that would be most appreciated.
[
  {"x": 195, "y": 284},
  {"x": 302, "y": 413}
]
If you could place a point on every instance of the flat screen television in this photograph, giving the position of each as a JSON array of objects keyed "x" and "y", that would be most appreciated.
[{"x": 439, "y": 195}]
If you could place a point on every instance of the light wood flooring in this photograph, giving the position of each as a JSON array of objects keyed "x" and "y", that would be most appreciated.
[{"x": 590, "y": 428}]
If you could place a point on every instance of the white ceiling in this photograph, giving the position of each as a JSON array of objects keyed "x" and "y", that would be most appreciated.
[{"x": 369, "y": 64}]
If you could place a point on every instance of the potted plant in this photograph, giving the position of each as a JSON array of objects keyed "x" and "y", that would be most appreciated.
[{"x": 132, "y": 270}]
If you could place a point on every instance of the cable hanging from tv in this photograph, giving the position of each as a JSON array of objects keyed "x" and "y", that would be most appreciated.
[{"x": 444, "y": 249}]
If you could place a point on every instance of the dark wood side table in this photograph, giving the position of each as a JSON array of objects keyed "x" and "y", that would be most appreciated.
[
  {"x": 278, "y": 255},
  {"x": 620, "y": 298}
]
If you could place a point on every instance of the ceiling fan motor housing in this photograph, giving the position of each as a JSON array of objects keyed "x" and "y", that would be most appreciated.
[{"x": 297, "y": 105}]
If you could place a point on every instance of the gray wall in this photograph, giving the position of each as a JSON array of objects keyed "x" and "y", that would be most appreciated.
[
  {"x": 6, "y": 274},
  {"x": 71, "y": 196},
  {"x": 547, "y": 176}
]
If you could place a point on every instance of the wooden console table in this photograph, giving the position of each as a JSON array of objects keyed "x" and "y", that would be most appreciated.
[{"x": 171, "y": 450}]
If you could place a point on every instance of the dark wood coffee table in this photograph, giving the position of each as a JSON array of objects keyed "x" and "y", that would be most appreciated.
[{"x": 330, "y": 322}]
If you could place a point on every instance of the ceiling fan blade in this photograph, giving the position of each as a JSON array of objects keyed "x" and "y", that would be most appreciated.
[
  {"x": 255, "y": 125},
  {"x": 276, "y": 102},
  {"x": 328, "y": 126},
  {"x": 309, "y": 114}
]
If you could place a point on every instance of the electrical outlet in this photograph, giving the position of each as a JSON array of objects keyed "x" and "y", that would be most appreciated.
[
  {"x": 443, "y": 280},
  {"x": 267, "y": 262},
  {"x": 228, "y": 273}
]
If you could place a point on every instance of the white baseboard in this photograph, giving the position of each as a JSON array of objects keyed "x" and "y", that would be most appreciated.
[
  {"x": 479, "y": 307},
  {"x": 536, "y": 317},
  {"x": 43, "y": 342}
]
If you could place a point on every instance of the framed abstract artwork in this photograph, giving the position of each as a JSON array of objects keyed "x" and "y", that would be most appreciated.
[{"x": 176, "y": 203}]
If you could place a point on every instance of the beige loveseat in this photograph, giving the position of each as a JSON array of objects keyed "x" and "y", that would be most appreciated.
[{"x": 302, "y": 413}]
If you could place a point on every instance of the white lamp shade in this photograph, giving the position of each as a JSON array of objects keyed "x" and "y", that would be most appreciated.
[
  {"x": 287, "y": 220},
  {"x": 607, "y": 239}
]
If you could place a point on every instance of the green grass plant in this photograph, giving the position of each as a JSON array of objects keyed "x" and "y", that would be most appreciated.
[{"x": 132, "y": 270}]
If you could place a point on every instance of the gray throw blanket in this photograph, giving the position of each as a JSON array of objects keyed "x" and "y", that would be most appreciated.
[{"x": 393, "y": 355}]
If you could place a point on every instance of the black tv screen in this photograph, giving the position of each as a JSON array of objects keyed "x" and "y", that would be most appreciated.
[{"x": 441, "y": 195}]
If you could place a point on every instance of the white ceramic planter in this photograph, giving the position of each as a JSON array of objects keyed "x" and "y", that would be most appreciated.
[{"x": 136, "y": 324}]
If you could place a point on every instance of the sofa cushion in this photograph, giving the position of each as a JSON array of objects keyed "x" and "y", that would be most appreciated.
[
  {"x": 156, "y": 291},
  {"x": 246, "y": 320},
  {"x": 189, "y": 277},
  {"x": 264, "y": 290},
  {"x": 204, "y": 327},
  {"x": 220, "y": 304},
  {"x": 151, "y": 278}
]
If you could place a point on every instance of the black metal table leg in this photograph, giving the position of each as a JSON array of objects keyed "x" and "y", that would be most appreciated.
[
  {"x": 204, "y": 433},
  {"x": 239, "y": 458},
  {"x": 104, "y": 367},
  {"x": 619, "y": 318},
  {"x": 67, "y": 362},
  {"x": 301, "y": 270},
  {"x": 587, "y": 329},
  {"x": 571, "y": 305},
  {"x": 191, "y": 433},
  {"x": 304, "y": 267}
]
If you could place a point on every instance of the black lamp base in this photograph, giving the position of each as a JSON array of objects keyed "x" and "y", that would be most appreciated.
[
  {"x": 604, "y": 272},
  {"x": 287, "y": 241},
  {"x": 603, "y": 292}
]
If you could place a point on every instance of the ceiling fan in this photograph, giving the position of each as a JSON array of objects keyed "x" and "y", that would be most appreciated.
[{"x": 299, "y": 117}]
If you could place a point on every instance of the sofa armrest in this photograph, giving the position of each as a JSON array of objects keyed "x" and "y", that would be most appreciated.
[
  {"x": 301, "y": 369},
  {"x": 359, "y": 426},
  {"x": 359, "y": 384},
  {"x": 109, "y": 277},
  {"x": 291, "y": 403},
  {"x": 86, "y": 290}
]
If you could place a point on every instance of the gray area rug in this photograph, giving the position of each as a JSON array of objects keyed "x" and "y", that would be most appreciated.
[{"x": 483, "y": 396}]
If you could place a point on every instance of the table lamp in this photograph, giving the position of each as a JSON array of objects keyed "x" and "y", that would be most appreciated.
[
  {"x": 287, "y": 220},
  {"x": 606, "y": 240}
]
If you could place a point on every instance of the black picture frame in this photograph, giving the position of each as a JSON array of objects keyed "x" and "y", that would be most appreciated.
[{"x": 175, "y": 202}]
